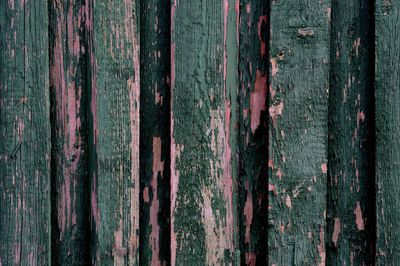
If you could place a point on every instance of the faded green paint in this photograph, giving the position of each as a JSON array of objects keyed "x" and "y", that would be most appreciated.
[
  {"x": 204, "y": 138},
  {"x": 70, "y": 181},
  {"x": 387, "y": 86},
  {"x": 114, "y": 141},
  {"x": 154, "y": 132},
  {"x": 253, "y": 73},
  {"x": 299, "y": 58},
  {"x": 24, "y": 134},
  {"x": 350, "y": 183}
]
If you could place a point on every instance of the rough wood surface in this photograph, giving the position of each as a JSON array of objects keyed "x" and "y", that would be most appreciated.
[
  {"x": 299, "y": 63},
  {"x": 68, "y": 92},
  {"x": 351, "y": 144},
  {"x": 204, "y": 138},
  {"x": 253, "y": 117},
  {"x": 114, "y": 141},
  {"x": 24, "y": 134},
  {"x": 387, "y": 86},
  {"x": 154, "y": 132}
]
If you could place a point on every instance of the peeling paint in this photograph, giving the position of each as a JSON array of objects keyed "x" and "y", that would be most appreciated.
[
  {"x": 275, "y": 111},
  {"x": 336, "y": 231},
  {"x": 258, "y": 100},
  {"x": 359, "y": 217}
]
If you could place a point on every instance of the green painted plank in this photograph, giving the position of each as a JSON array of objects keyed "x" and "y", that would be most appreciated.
[
  {"x": 154, "y": 128},
  {"x": 203, "y": 132},
  {"x": 299, "y": 58},
  {"x": 253, "y": 117},
  {"x": 24, "y": 133},
  {"x": 387, "y": 93},
  {"x": 112, "y": 29},
  {"x": 350, "y": 229},
  {"x": 70, "y": 185}
]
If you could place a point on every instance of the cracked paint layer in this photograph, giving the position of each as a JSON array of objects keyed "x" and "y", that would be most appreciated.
[
  {"x": 351, "y": 145},
  {"x": 253, "y": 89},
  {"x": 203, "y": 141},
  {"x": 68, "y": 88},
  {"x": 114, "y": 140},
  {"x": 299, "y": 59},
  {"x": 25, "y": 134}
]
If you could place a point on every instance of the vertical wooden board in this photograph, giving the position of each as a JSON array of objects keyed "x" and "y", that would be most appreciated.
[
  {"x": 24, "y": 134},
  {"x": 253, "y": 73},
  {"x": 387, "y": 93},
  {"x": 68, "y": 92},
  {"x": 114, "y": 142},
  {"x": 299, "y": 58},
  {"x": 351, "y": 176},
  {"x": 155, "y": 135},
  {"x": 203, "y": 142}
]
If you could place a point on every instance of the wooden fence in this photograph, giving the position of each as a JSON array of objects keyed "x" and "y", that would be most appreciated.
[{"x": 200, "y": 132}]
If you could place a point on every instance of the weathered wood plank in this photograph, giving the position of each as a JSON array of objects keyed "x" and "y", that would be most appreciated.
[
  {"x": 155, "y": 134},
  {"x": 387, "y": 86},
  {"x": 299, "y": 58},
  {"x": 351, "y": 175},
  {"x": 24, "y": 134},
  {"x": 253, "y": 72},
  {"x": 204, "y": 139},
  {"x": 70, "y": 185},
  {"x": 114, "y": 141}
]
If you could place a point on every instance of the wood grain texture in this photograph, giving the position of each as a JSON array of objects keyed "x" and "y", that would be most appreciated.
[
  {"x": 203, "y": 134},
  {"x": 351, "y": 173},
  {"x": 114, "y": 139},
  {"x": 299, "y": 59},
  {"x": 253, "y": 117},
  {"x": 24, "y": 134},
  {"x": 387, "y": 91},
  {"x": 68, "y": 92},
  {"x": 154, "y": 132}
]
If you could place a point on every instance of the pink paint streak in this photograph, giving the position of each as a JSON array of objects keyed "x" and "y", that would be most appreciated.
[
  {"x": 146, "y": 195},
  {"x": 336, "y": 231},
  {"x": 288, "y": 202},
  {"x": 158, "y": 167},
  {"x": 359, "y": 217},
  {"x": 95, "y": 210},
  {"x": 248, "y": 212},
  {"x": 226, "y": 10},
  {"x": 174, "y": 174},
  {"x": 274, "y": 67},
  {"x": 324, "y": 168},
  {"x": 258, "y": 100},
  {"x": 228, "y": 182},
  {"x": 321, "y": 247},
  {"x": 275, "y": 111}
]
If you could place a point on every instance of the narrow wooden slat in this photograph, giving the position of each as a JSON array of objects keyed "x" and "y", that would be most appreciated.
[
  {"x": 70, "y": 186},
  {"x": 387, "y": 86},
  {"x": 253, "y": 72},
  {"x": 351, "y": 176},
  {"x": 204, "y": 138},
  {"x": 114, "y": 141},
  {"x": 154, "y": 136},
  {"x": 299, "y": 58},
  {"x": 24, "y": 134}
]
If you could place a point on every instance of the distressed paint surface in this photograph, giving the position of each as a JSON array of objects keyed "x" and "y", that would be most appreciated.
[
  {"x": 154, "y": 132},
  {"x": 24, "y": 134},
  {"x": 203, "y": 135},
  {"x": 350, "y": 229},
  {"x": 70, "y": 181},
  {"x": 387, "y": 91},
  {"x": 298, "y": 109},
  {"x": 253, "y": 117},
  {"x": 114, "y": 114}
]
